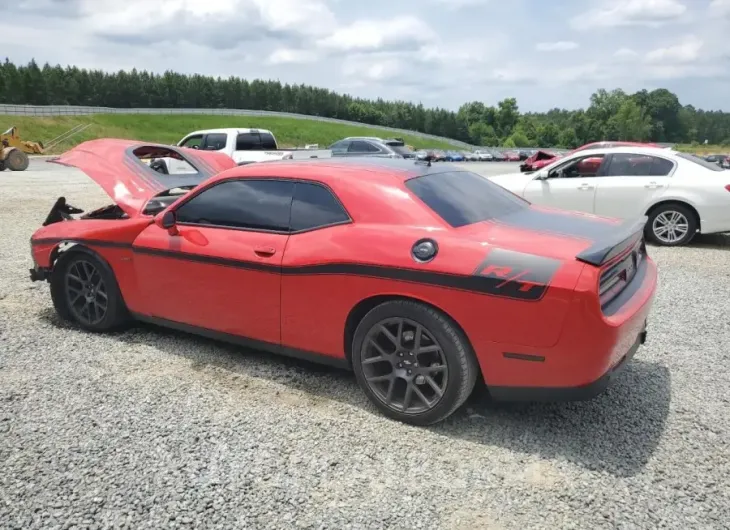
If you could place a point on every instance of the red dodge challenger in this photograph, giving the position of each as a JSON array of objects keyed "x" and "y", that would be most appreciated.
[{"x": 419, "y": 278}]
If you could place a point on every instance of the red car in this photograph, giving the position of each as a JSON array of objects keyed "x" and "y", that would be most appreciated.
[
  {"x": 540, "y": 159},
  {"x": 511, "y": 156},
  {"x": 421, "y": 278}
]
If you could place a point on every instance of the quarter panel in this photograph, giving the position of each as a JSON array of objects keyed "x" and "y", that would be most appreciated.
[{"x": 316, "y": 300}]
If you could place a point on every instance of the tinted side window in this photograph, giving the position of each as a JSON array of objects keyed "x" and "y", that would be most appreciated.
[
  {"x": 462, "y": 197},
  {"x": 340, "y": 147},
  {"x": 215, "y": 141},
  {"x": 248, "y": 142},
  {"x": 314, "y": 206},
  {"x": 268, "y": 141},
  {"x": 358, "y": 146},
  {"x": 193, "y": 141},
  {"x": 587, "y": 166},
  {"x": 629, "y": 165},
  {"x": 661, "y": 167},
  {"x": 254, "y": 204}
]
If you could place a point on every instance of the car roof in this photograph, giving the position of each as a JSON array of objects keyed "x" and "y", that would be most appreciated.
[
  {"x": 337, "y": 168},
  {"x": 635, "y": 150},
  {"x": 229, "y": 131}
]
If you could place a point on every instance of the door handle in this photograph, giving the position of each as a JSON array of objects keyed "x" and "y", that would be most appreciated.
[
  {"x": 265, "y": 252},
  {"x": 652, "y": 186},
  {"x": 585, "y": 186}
]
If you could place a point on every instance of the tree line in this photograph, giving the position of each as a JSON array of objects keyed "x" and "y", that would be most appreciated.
[{"x": 656, "y": 116}]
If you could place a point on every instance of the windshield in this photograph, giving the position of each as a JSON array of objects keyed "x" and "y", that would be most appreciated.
[
  {"x": 461, "y": 197},
  {"x": 712, "y": 166}
]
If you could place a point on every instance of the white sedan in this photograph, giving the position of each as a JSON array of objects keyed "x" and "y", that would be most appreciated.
[
  {"x": 484, "y": 156},
  {"x": 681, "y": 194}
]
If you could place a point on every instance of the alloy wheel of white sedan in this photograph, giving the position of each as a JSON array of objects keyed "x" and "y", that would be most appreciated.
[{"x": 672, "y": 225}]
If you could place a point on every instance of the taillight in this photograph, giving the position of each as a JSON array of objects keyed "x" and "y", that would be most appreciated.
[
  {"x": 727, "y": 187},
  {"x": 617, "y": 276}
]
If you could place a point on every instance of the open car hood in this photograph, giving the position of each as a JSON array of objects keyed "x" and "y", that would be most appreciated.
[{"x": 116, "y": 166}]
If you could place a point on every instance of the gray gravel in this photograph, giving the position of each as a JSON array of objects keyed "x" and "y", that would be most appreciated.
[{"x": 156, "y": 429}]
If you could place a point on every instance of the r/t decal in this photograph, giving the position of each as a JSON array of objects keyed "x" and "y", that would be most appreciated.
[{"x": 516, "y": 274}]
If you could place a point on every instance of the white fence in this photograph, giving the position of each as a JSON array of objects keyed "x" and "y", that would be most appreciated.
[{"x": 73, "y": 110}]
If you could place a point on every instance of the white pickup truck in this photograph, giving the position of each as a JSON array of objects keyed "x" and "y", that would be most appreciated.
[{"x": 245, "y": 146}]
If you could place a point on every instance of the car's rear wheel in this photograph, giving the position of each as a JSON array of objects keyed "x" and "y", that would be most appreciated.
[
  {"x": 413, "y": 362},
  {"x": 671, "y": 225},
  {"x": 85, "y": 291}
]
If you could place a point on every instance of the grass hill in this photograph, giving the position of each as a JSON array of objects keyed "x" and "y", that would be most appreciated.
[{"x": 170, "y": 128}]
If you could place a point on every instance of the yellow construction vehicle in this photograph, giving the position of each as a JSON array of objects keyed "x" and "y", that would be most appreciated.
[{"x": 14, "y": 151}]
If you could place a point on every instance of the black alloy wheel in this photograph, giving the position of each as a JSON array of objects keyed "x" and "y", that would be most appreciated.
[
  {"x": 86, "y": 292},
  {"x": 413, "y": 362},
  {"x": 404, "y": 365}
]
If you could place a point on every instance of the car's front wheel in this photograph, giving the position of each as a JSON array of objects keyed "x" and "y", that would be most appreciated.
[
  {"x": 85, "y": 291},
  {"x": 671, "y": 225},
  {"x": 413, "y": 362}
]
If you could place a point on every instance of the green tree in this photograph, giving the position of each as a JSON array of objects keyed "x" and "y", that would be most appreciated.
[
  {"x": 568, "y": 139},
  {"x": 630, "y": 122},
  {"x": 506, "y": 117},
  {"x": 519, "y": 139},
  {"x": 612, "y": 114}
]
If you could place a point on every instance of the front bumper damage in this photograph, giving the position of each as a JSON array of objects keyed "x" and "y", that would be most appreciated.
[{"x": 39, "y": 274}]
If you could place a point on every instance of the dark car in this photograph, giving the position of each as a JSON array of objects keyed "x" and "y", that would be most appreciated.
[{"x": 371, "y": 146}]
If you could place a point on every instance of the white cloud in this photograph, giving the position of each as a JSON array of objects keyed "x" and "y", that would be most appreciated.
[
  {"x": 290, "y": 56},
  {"x": 687, "y": 50},
  {"x": 720, "y": 7},
  {"x": 459, "y": 4},
  {"x": 625, "y": 53},
  {"x": 401, "y": 32},
  {"x": 373, "y": 69},
  {"x": 391, "y": 49},
  {"x": 560, "y": 46},
  {"x": 616, "y": 13}
]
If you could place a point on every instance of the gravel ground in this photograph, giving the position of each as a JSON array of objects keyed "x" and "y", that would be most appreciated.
[{"x": 155, "y": 429}]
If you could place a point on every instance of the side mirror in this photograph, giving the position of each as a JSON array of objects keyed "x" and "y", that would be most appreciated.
[
  {"x": 167, "y": 221},
  {"x": 541, "y": 175}
]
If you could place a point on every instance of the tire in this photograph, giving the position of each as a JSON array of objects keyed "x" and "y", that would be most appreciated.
[
  {"x": 17, "y": 160},
  {"x": 77, "y": 261},
  {"x": 681, "y": 215},
  {"x": 2, "y": 165},
  {"x": 452, "y": 365}
]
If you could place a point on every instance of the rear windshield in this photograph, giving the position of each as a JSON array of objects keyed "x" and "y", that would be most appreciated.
[
  {"x": 461, "y": 197},
  {"x": 398, "y": 147},
  {"x": 713, "y": 166}
]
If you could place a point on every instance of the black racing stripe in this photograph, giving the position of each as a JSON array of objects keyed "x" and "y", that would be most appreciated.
[
  {"x": 483, "y": 284},
  {"x": 519, "y": 275},
  {"x": 524, "y": 357},
  {"x": 84, "y": 241},
  {"x": 559, "y": 223},
  {"x": 531, "y": 289}
]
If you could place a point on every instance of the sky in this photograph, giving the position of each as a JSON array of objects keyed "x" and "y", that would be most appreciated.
[{"x": 443, "y": 53}]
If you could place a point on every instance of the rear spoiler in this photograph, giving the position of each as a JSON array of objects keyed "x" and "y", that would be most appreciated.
[{"x": 607, "y": 248}]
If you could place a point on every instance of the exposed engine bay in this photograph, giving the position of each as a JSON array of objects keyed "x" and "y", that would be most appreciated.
[{"x": 63, "y": 211}]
